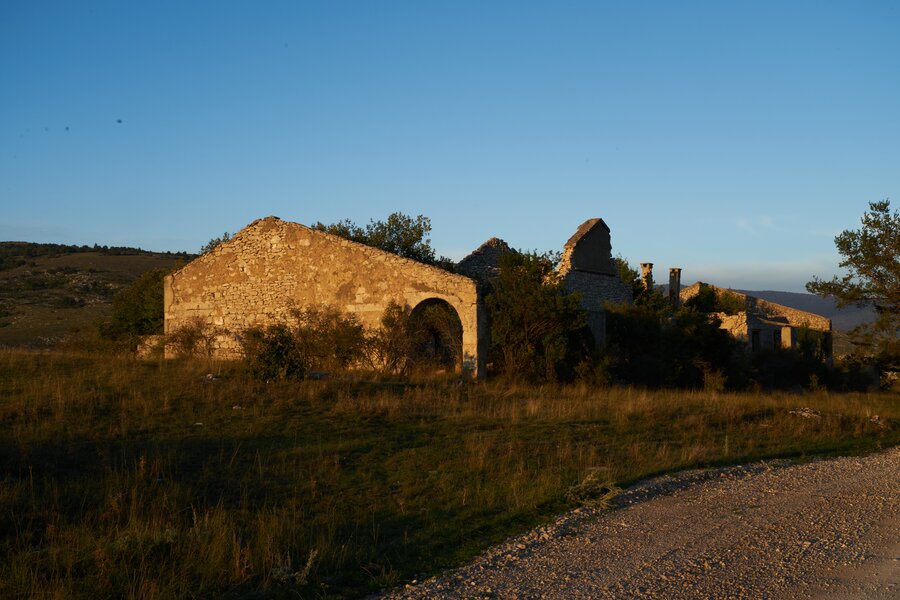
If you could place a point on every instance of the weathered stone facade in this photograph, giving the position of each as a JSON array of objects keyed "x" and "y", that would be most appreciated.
[
  {"x": 587, "y": 267},
  {"x": 765, "y": 325},
  {"x": 273, "y": 266},
  {"x": 484, "y": 262}
]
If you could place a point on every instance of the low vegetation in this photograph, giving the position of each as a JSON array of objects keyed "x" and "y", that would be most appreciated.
[{"x": 187, "y": 478}]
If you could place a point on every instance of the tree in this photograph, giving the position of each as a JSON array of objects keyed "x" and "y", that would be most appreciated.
[
  {"x": 211, "y": 244},
  {"x": 652, "y": 298},
  {"x": 537, "y": 329},
  {"x": 400, "y": 234},
  {"x": 138, "y": 309},
  {"x": 871, "y": 256}
]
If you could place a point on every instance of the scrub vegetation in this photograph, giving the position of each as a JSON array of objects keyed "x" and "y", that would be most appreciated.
[{"x": 190, "y": 478}]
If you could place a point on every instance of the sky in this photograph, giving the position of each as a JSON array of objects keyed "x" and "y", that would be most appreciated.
[{"x": 731, "y": 139}]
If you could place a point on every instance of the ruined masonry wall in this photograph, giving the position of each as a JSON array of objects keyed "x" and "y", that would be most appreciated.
[
  {"x": 597, "y": 289},
  {"x": 797, "y": 318},
  {"x": 272, "y": 266}
]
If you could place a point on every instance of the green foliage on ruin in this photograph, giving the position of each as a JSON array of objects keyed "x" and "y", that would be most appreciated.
[
  {"x": 711, "y": 300},
  {"x": 538, "y": 330},
  {"x": 652, "y": 299},
  {"x": 322, "y": 339}
]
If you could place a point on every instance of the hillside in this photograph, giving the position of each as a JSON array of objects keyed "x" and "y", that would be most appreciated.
[{"x": 50, "y": 291}]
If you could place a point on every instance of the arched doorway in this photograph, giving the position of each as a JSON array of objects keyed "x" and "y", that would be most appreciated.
[{"x": 438, "y": 335}]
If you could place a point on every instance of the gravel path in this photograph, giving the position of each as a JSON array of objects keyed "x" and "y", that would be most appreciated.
[{"x": 827, "y": 529}]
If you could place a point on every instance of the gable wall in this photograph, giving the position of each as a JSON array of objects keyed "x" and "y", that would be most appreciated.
[{"x": 272, "y": 266}]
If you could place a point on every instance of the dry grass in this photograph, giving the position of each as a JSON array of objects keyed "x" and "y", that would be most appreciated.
[{"x": 151, "y": 480}]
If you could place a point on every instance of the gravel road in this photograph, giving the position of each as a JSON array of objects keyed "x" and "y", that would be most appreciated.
[{"x": 827, "y": 529}]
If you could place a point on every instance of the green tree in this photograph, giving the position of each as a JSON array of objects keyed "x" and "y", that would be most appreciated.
[
  {"x": 651, "y": 299},
  {"x": 400, "y": 234},
  {"x": 211, "y": 244},
  {"x": 137, "y": 309},
  {"x": 871, "y": 257},
  {"x": 537, "y": 329}
]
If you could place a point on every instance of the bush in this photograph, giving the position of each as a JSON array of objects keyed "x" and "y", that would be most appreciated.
[
  {"x": 273, "y": 353},
  {"x": 708, "y": 300},
  {"x": 196, "y": 338},
  {"x": 391, "y": 346},
  {"x": 137, "y": 310},
  {"x": 320, "y": 338},
  {"x": 538, "y": 331},
  {"x": 329, "y": 339},
  {"x": 686, "y": 350}
]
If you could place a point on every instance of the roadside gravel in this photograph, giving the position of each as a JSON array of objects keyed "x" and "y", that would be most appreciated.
[{"x": 826, "y": 529}]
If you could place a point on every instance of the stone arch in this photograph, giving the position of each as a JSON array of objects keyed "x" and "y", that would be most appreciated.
[{"x": 439, "y": 331}]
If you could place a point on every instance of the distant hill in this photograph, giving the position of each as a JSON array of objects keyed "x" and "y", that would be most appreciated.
[
  {"x": 842, "y": 319},
  {"x": 48, "y": 292}
]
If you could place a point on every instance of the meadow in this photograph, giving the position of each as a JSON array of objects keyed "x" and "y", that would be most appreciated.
[{"x": 185, "y": 479}]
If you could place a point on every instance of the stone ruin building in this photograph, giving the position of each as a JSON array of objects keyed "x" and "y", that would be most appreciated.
[
  {"x": 587, "y": 267},
  {"x": 273, "y": 266},
  {"x": 764, "y": 325}
]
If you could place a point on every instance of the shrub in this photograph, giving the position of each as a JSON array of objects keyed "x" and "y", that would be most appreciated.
[
  {"x": 137, "y": 310},
  {"x": 329, "y": 339},
  {"x": 708, "y": 300},
  {"x": 685, "y": 350},
  {"x": 196, "y": 338},
  {"x": 391, "y": 346},
  {"x": 273, "y": 353}
]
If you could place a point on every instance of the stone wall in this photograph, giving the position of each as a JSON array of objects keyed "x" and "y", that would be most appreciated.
[
  {"x": 272, "y": 266},
  {"x": 483, "y": 263},
  {"x": 795, "y": 317},
  {"x": 766, "y": 309},
  {"x": 587, "y": 268}
]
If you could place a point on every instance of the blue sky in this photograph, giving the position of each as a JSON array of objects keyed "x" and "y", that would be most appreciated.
[{"x": 734, "y": 140}]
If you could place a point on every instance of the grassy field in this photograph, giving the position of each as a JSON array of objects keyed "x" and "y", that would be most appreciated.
[{"x": 137, "y": 479}]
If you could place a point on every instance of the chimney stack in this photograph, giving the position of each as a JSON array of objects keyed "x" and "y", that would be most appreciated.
[
  {"x": 647, "y": 276},
  {"x": 675, "y": 287}
]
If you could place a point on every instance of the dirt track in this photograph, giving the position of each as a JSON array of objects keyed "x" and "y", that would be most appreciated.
[{"x": 826, "y": 529}]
